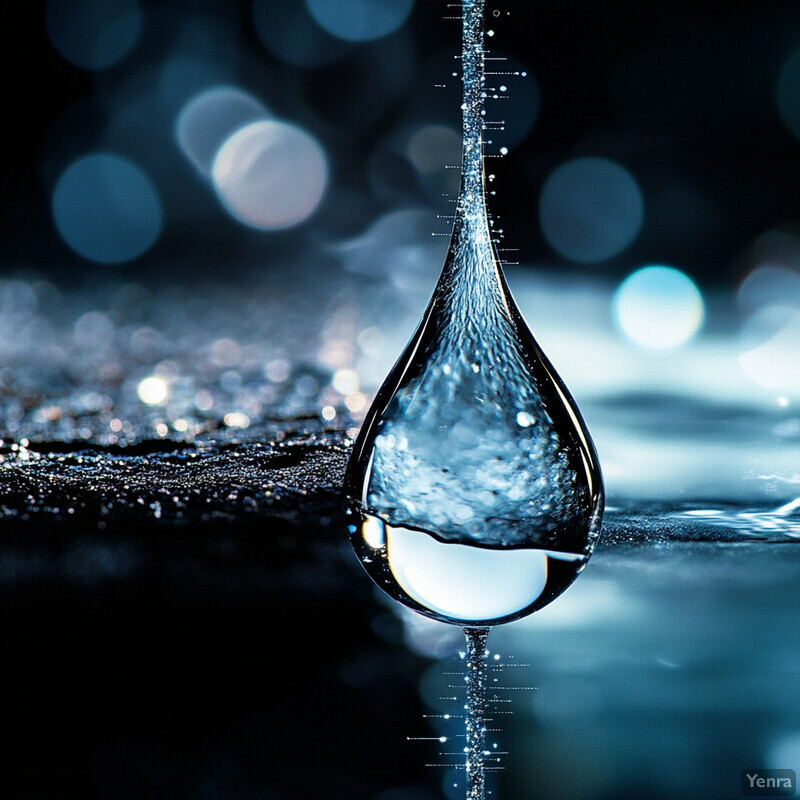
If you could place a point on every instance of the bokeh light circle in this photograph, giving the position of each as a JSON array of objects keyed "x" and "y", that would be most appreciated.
[
  {"x": 106, "y": 208},
  {"x": 658, "y": 308},
  {"x": 94, "y": 34},
  {"x": 787, "y": 93},
  {"x": 771, "y": 355},
  {"x": 209, "y": 118},
  {"x": 432, "y": 147},
  {"x": 769, "y": 284},
  {"x": 153, "y": 390},
  {"x": 270, "y": 175},
  {"x": 290, "y": 34},
  {"x": 360, "y": 20},
  {"x": 590, "y": 209}
]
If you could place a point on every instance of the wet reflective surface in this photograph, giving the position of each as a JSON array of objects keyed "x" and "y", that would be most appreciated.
[{"x": 142, "y": 562}]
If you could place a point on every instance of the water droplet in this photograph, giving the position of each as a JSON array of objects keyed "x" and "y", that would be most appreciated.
[{"x": 473, "y": 473}]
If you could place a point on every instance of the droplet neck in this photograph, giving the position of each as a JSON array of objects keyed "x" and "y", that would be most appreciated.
[
  {"x": 471, "y": 200},
  {"x": 471, "y": 257}
]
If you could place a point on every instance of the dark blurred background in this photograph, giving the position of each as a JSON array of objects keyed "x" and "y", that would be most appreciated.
[{"x": 694, "y": 109}]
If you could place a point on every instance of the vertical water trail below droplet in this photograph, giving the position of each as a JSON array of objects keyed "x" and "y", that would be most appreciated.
[{"x": 476, "y": 712}]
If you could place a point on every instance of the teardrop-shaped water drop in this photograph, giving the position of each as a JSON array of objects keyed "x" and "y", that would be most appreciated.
[{"x": 474, "y": 493}]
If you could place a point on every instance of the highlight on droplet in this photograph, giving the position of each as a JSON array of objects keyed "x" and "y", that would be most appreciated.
[{"x": 658, "y": 307}]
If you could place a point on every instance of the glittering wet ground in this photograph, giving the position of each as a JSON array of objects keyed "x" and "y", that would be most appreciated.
[{"x": 183, "y": 615}]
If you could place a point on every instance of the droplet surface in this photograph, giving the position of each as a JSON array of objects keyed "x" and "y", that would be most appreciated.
[{"x": 474, "y": 493}]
